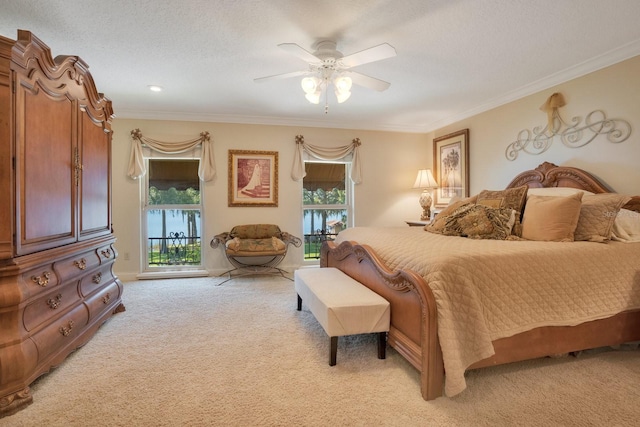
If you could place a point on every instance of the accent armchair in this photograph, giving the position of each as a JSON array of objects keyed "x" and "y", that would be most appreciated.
[{"x": 255, "y": 249}]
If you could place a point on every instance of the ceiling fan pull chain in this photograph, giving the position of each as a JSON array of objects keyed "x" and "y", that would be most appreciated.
[{"x": 326, "y": 102}]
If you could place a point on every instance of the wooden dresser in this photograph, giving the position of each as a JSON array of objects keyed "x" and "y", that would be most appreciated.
[{"x": 56, "y": 243}]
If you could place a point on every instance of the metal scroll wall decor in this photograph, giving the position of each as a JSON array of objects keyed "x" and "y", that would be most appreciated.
[{"x": 574, "y": 135}]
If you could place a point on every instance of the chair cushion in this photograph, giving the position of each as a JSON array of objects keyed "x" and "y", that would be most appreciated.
[
  {"x": 256, "y": 247},
  {"x": 255, "y": 231}
]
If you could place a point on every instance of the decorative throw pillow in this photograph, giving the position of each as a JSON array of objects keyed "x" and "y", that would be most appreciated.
[
  {"x": 439, "y": 222},
  {"x": 597, "y": 215},
  {"x": 511, "y": 198},
  {"x": 550, "y": 218},
  {"x": 626, "y": 227},
  {"x": 556, "y": 191},
  {"x": 270, "y": 244},
  {"x": 481, "y": 222}
]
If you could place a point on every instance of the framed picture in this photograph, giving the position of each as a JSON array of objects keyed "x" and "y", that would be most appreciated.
[
  {"x": 253, "y": 178},
  {"x": 451, "y": 166}
]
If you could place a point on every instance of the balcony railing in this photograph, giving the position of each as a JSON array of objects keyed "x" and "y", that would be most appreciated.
[
  {"x": 313, "y": 242},
  {"x": 176, "y": 249}
]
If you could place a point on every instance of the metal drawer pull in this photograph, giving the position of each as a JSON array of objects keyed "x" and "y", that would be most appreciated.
[
  {"x": 54, "y": 303},
  {"x": 82, "y": 264},
  {"x": 66, "y": 331},
  {"x": 97, "y": 278},
  {"x": 41, "y": 280},
  {"x": 106, "y": 298},
  {"x": 106, "y": 253}
]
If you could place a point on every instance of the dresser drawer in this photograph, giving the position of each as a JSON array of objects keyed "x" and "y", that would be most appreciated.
[
  {"x": 103, "y": 299},
  {"x": 106, "y": 254},
  {"x": 60, "y": 332},
  {"x": 40, "y": 279},
  {"x": 50, "y": 305},
  {"x": 77, "y": 265},
  {"x": 95, "y": 280}
]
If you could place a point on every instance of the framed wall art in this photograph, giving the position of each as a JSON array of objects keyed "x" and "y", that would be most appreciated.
[
  {"x": 451, "y": 166},
  {"x": 253, "y": 178}
]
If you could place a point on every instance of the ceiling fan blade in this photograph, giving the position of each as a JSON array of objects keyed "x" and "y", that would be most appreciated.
[
  {"x": 281, "y": 76},
  {"x": 301, "y": 53},
  {"x": 376, "y": 53},
  {"x": 368, "y": 82}
]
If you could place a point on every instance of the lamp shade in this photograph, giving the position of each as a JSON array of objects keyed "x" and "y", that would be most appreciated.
[
  {"x": 310, "y": 84},
  {"x": 342, "y": 96},
  {"x": 342, "y": 83},
  {"x": 313, "y": 97},
  {"x": 425, "y": 179}
]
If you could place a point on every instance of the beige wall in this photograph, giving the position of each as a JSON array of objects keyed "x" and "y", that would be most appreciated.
[
  {"x": 615, "y": 90},
  {"x": 390, "y": 163}
]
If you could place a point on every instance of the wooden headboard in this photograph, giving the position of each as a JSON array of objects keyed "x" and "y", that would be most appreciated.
[{"x": 550, "y": 175}]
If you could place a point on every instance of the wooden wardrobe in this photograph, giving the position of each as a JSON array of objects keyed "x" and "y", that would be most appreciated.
[{"x": 56, "y": 243}]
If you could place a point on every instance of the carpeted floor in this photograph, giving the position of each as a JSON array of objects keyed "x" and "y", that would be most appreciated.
[{"x": 189, "y": 353}]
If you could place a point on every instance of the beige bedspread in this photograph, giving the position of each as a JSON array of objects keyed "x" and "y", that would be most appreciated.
[{"x": 490, "y": 289}]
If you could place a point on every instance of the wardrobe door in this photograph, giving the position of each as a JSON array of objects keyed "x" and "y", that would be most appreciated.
[
  {"x": 45, "y": 168},
  {"x": 6, "y": 164},
  {"x": 95, "y": 183}
]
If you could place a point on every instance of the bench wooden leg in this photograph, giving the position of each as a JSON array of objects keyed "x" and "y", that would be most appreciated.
[
  {"x": 333, "y": 351},
  {"x": 299, "y": 303},
  {"x": 382, "y": 345}
]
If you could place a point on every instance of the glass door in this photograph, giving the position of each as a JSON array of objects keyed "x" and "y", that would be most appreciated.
[
  {"x": 326, "y": 204},
  {"x": 172, "y": 213}
]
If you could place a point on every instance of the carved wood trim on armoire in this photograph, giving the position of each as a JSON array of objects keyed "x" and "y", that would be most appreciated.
[{"x": 57, "y": 284}]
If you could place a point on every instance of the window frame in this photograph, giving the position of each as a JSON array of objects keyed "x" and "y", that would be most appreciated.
[
  {"x": 348, "y": 205},
  {"x": 146, "y": 207}
]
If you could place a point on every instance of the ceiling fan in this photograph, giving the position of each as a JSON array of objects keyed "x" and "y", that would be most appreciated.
[{"x": 327, "y": 65}]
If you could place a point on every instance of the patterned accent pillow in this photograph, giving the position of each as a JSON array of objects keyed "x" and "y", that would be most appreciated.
[
  {"x": 255, "y": 231},
  {"x": 439, "y": 222},
  {"x": 255, "y": 245},
  {"x": 597, "y": 215},
  {"x": 482, "y": 222},
  {"x": 511, "y": 198},
  {"x": 478, "y": 222}
]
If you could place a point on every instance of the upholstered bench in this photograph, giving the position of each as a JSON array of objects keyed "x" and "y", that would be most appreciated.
[{"x": 343, "y": 306}]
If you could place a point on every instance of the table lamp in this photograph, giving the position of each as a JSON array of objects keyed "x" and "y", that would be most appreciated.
[{"x": 427, "y": 182}]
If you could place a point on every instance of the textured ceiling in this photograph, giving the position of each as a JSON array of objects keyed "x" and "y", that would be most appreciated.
[{"x": 454, "y": 58}]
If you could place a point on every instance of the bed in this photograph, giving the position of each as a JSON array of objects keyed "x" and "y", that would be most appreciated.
[{"x": 459, "y": 303}]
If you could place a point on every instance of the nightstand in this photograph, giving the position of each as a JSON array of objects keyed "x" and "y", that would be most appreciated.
[{"x": 417, "y": 223}]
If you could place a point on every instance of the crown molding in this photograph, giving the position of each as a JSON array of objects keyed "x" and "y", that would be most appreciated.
[
  {"x": 264, "y": 120},
  {"x": 607, "y": 59}
]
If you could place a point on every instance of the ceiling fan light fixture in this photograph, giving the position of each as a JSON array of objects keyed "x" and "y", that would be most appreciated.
[
  {"x": 327, "y": 66},
  {"x": 343, "y": 83},
  {"x": 342, "y": 95},
  {"x": 342, "y": 86},
  {"x": 310, "y": 85},
  {"x": 314, "y": 97}
]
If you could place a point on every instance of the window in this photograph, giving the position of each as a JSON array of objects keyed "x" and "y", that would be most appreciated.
[
  {"x": 172, "y": 214},
  {"x": 326, "y": 198}
]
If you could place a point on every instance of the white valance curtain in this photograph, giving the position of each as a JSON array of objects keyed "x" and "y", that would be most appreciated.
[
  {"x": 324, "y": 153},
  {"x": 206, "y": 169}
]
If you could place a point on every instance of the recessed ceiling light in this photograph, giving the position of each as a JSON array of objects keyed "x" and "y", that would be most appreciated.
[{"x": 154, "y": 88}]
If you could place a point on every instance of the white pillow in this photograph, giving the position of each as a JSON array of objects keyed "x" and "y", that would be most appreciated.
[
  {"x": 626, "y": 227},
  {"x": 556, "y": 191}
]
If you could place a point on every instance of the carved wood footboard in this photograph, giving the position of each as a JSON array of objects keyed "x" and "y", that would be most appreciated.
[{"x": 414, "y": 327}]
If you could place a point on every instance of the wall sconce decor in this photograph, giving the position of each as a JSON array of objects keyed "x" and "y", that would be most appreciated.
[{"x": 574, "y": 135}]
